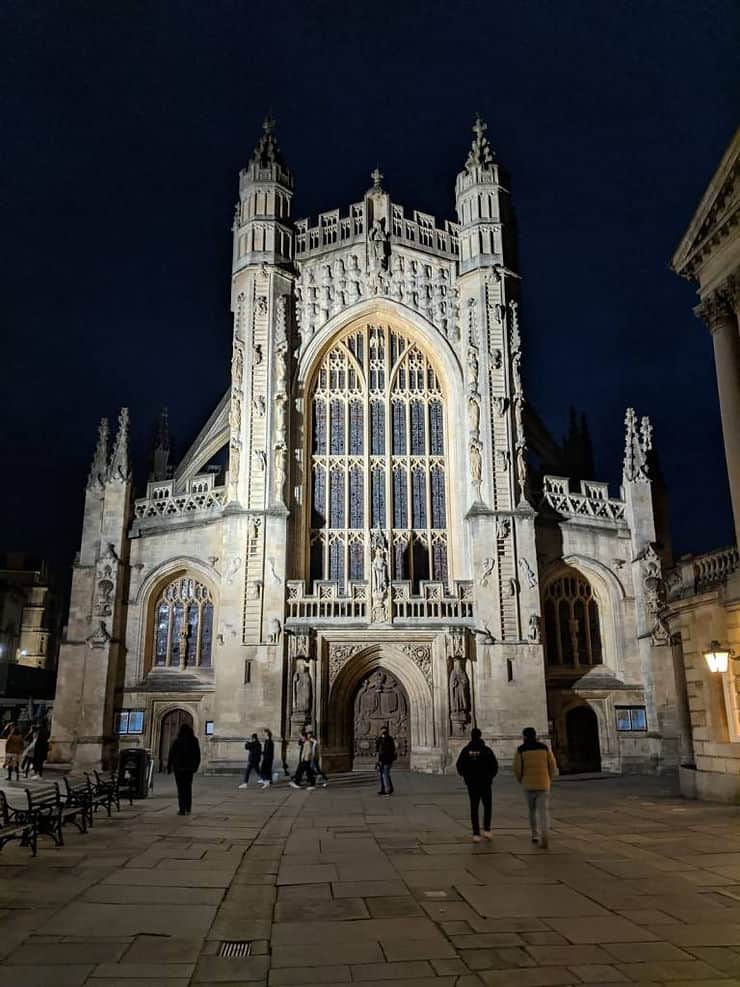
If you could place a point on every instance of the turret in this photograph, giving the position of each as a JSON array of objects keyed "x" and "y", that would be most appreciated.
[
  {"x": 263, "y": 232},
  {"x": 480, "y": 207}
]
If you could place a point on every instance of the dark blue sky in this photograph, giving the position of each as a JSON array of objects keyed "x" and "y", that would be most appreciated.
[{"x": 124, "y": 125}]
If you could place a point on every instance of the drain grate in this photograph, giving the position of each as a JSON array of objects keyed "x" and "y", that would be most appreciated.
[{"x": 235, "y": 949}]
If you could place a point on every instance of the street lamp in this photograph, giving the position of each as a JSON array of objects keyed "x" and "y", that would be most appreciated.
[{"x": 717, "y": 657}]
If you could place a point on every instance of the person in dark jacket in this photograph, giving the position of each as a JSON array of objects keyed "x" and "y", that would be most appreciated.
[
  {"x": 478, "y": 766},
  {"x": 184, "y": 761},
  {"x": 254, "y": 752},
  {"x": 41, "y": 750},
  {"x": 385, "y": 750},
  {"x": 268, "y": 756}
]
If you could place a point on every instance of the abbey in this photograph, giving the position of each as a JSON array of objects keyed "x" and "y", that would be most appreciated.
[{"x": 394, "y": 538}]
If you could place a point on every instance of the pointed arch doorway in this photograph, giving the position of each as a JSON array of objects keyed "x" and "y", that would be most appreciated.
[
  {"x": 169, "y": 729},
  {"x": 380, "y": 701}
]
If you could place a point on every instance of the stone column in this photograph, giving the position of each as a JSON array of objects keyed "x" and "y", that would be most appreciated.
[{"x": 717, "y": 310}]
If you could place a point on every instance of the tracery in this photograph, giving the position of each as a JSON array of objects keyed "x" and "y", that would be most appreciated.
[
  {"x": 571, "y": 614},
  {"x": 377, "y": 459},
  {"x": 183, "y": 631}
]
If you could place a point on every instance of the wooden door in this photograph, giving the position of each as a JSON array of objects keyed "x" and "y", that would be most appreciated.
[
  {"x": 169, "y": 729},
  {"x": 380, "y": 701}
]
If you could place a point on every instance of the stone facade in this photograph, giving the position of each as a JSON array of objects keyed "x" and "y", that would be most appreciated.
[
  {"x": 380, "y": 514},
  {"x": 703, "y": 603}
]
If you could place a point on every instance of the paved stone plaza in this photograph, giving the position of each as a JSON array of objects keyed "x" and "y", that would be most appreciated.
[{"x": 339, "y": 886}]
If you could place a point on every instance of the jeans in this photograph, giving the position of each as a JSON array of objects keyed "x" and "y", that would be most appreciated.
[
  {"x": 305, "y": 768},
  {"x": 386, "y": 785},
  {"x": 251, "y": 766},
  {"x": 478, "y": 794},
  {"x": 184, "y": 782},
  {"x": 538, "y": 803}
]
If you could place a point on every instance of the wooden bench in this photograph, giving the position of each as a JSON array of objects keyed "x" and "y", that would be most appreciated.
[
  {"x": 48, "y": 813},
  {"x": 14, "y": 828}
]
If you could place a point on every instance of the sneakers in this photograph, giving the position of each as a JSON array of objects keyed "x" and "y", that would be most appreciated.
[
  {"x": 476, "y": 839},
  {"x": 311, "y": 788},
  {"x": 535, "y": 838},
  {"x": 488, "y": 834},
  {"x": 243, "y": 785},
  {"x": 324, "y": 784},
  {"x": 265, "y": 784},
  {"x": 543, "y": 842},
  {"x": 293, "y": 784}
]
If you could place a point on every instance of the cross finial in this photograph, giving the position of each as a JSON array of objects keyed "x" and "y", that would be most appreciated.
[
  {"x": 479, "y": 127},
  {"x": 377, "y": 177},
  {"x": 268, "y": 124}
]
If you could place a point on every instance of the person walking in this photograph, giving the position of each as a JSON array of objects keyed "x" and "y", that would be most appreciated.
[
  {"x": 305, "y": 761},
  {"x": 385, "y": 751},
  {"x": 268, "y": 756},
  {"x": 13, "y": 752},
  {"x": 478, "y": 766},
  {"x": 27, "y": 756},
  {"x": 41, "y": 750},
  {"x": 316, "y": 764},
  {"x": 184, "y": 761},
  {"x": 534, "y": 769},
  {"x": 254, "y": 752}
]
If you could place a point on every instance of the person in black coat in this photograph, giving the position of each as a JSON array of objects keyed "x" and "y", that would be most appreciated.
[
  {"x": 254, "y": 751},
  {"x": 41, "y": 749},
  {"x": 184, "y": 761},
  {"x": 268, "y": 756},
  {"x": 478, "y": 766},
  {"x": 385, "y": 751}
]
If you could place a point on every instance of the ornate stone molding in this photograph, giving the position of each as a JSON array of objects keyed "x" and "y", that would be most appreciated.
[
  {"x": 421, "y": 655},
  {"x": 719, "y": 307}
]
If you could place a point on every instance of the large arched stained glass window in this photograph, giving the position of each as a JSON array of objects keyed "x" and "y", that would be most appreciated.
[
  {"x": 571, "y": 615},
  {"x": 183, "y": 618},
  {"x": 377, "y": 459}
]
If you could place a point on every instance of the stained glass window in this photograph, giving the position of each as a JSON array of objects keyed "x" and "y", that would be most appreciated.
[
  {"x": 417, "y": 428},
  {"x": 436, "y": 429},
  {"x": 377, "y": 428},
  {"x": 356, "y": 434},
  {"x": 337, "y": 428},
  {"x": 399, "y": 428},
  {"x": 183, "y": 625},
  {"x": 356, "y": 498},
  {"x": 378, "y": 519},
  {"x": 571, "y": 615},
  {"x": 418, "y": 499},
  {"x": 376, "y": 402},
  {"x": 400, "y": 498},
  {"x": 336, "y": 499},
  {"x": 439, "y": 513}
]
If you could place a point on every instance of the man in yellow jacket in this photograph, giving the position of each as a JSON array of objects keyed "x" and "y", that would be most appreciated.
[{"x": 534, "y": 768}]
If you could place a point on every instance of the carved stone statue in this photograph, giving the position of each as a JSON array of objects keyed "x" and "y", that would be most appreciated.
[
  {"x": 459, "y": 697},
  {"x": 528, "y": 573},
  {"x": 377, "y": 245},
  {"x": 533, "y": 632},
  {"x": 103, "y": 602},
  {"x": 473, "y": 414},
  {"x": 476, "y": 467},
  {"x": 503, "y": 527},
  {"x": 183, "y": 640},
  {"x": 274, "y": 634},
  {"x": 380, "y": 571},
  {"x": 302, "y": 689}
]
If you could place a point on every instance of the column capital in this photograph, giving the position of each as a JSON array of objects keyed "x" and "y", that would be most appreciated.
[{"x": 719, "y": 307}]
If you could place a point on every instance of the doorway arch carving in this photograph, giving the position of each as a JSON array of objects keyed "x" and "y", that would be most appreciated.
[{"x": 413, "y": 687}]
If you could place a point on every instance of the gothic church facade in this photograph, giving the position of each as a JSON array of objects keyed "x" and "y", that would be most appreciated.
[{"x": 395, "y": 539}]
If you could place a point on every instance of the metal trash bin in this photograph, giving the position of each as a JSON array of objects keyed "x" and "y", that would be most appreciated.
[{"x": 135, "y": 771}]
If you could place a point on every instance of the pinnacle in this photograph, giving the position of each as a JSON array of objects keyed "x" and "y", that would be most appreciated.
[
  {"x": 481, "y": 152},
  {"x": 267, "y": 152}
]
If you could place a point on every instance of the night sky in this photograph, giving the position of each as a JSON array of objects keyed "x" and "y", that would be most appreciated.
[{"x": 124, "y": 125}]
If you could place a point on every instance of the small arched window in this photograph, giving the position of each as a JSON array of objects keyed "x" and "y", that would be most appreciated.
[
  {"x": 571, "y": 614},
  {"x": 183, "y": 625}
]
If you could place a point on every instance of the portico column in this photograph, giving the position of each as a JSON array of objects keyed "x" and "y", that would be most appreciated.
[{"x": 718, "y": 311}]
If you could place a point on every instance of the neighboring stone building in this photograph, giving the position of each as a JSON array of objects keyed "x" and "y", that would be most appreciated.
[
  {"x": 703, "y": 611},
  {"x": 29, "y": 612},
  {"x": 381, "y": 548}
]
